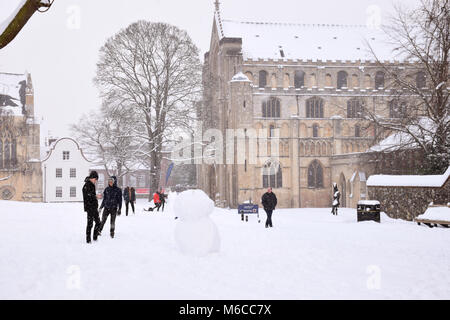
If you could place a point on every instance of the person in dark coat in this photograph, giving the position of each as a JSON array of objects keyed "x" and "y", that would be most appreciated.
[
  {"x": 129, "y": 195},
  {"x": 112, "y": 202},
  {"x": 162, "y": 197},
  {"x": 90, "y": 200},
  {"x": 269, "y": 202},
  {"x": 336, "y": 199}
]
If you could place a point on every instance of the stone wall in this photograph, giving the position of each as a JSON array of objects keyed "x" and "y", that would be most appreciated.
[{"x": 409, "y": 202}]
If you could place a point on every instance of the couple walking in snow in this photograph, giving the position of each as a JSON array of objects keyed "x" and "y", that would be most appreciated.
[{"x": 112, "y": 204}]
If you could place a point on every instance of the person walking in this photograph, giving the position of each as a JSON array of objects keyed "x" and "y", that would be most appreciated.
[
  {"x": 129, "y": 195},
  {"x": 269, "y": 202},
  {"x": 112, "y": 202},
  {"x": 90, "y": 201},
  {"x": 162, "y": 197}
]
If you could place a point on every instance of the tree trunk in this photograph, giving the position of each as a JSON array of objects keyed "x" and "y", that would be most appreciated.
[{"x": 22, "y": 17}]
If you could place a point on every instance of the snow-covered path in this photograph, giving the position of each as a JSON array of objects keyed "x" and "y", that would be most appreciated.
[{"x": 309, "y": 254}]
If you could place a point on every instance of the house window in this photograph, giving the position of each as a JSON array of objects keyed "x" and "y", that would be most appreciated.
[
  {"x": 314, "y": 108},
  {"x": 354, "y": 109},
  {"x": 73, "y": 192},
  {"x": 262, "y": 79},
  {"x": 59, "y": 192},
  {"x": 315, "y": 175},
  {"x": 73, "y": 173},
  {"x": 379, "y": 80},
  {"x": 59, "y": 173},
  {"x": 342, "y": 80},
  {"x": 271, "y": 108},
  {"x": 315, "y": 130},
  {"x": 66, "y": 155},
  {"x": 272, "y": 175},
  {"x": 299, "y": 79}
]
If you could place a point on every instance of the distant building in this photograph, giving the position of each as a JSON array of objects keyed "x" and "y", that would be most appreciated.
[
  {"x": 20, "y": 168},
  {"x": 64, "y": 169}
]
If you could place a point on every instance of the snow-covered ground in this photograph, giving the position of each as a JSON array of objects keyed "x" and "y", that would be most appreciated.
[{"x": 309, "y": 254}]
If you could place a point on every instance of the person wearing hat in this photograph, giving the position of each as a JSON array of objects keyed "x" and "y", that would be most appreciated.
[
  {"x": 90, "y": 200},
  {"x": 112, "y": 202}
]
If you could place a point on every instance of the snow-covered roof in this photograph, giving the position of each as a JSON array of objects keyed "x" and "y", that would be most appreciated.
[
  {"x": 431, "y": 181},
  {"x": 240, "y": 77},
  {"x": 271, "y": 40},
  {"x": 12, "y": 92},
  {"x": 369, "y": 203}
]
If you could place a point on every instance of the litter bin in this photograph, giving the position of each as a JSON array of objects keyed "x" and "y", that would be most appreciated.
[{"x": 369, "y": 211}]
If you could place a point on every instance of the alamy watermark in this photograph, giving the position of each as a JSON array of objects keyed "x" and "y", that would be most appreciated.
[{"x": 234, "y": 146}]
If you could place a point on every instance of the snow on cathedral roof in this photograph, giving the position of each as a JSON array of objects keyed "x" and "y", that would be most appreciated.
[{"x": 268, "y": 40}]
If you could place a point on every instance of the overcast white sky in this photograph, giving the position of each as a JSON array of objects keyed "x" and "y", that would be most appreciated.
[{"x": 60, "y": 48}]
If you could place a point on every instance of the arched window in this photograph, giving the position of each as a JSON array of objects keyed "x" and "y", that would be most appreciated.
[
  {"x": 367, "y": 81},
  {"x": 272, "y": 131},
  {"x": 286, "y": 81},
  {"x": 354, "y": 109},
  {"x": 1, "y": 154},
  {"x": 273, "y": 81},
  {"x": 299, "y": 79},
  {"x": 357, "y": 131},
  {"x": 379, "y": 80},
  {"x": 272, "y": 175},
  {"x": 314, "y": 108},
  {"x": 262, "y": 79},
  {"x": 421, "y": 80},
  {"x": 315, "y": 130},
  {"x": 328, "y": 80},
  {"x": 271, "y": 108},
  {"x": 315, "y": 175},
  {"x": 14, "y": 153},
  {"x": 342, "y": 80},
  {"x": 355, "y": 81},
  {"x": 7, "y": 154},
  {"x": 313, "y": 80}
]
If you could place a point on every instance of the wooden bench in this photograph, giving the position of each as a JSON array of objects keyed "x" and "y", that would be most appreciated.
[{"x": 433, "y": 223}]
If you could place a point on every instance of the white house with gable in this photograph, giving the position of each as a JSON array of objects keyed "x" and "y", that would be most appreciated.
[{"x": 64, "y": 169}]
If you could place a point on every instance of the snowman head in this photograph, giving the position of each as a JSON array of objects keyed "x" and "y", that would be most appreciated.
[{"x": 193, "y": 205}]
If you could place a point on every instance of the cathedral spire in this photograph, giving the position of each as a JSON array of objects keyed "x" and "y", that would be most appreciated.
[{"x": 217, "y": 4}]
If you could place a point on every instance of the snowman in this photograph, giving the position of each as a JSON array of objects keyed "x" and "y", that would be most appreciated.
[{"x": 195, "y": 233}]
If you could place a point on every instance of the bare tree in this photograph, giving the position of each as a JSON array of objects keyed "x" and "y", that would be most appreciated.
[
  {"x": 106, "y": 136},
  {"x": 17, "y": 21},
  {"x": 418, "y": 110},
  {"x": 154, "y": 69}
]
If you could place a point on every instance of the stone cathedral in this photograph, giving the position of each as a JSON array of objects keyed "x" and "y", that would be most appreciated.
[
  {"x": 20, "y": 165},
  {"x": 308, "y": 81}
]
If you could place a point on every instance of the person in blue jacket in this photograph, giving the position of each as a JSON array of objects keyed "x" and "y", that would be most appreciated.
[{"x": 112, "y": 202}]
